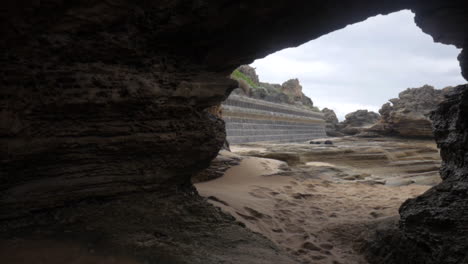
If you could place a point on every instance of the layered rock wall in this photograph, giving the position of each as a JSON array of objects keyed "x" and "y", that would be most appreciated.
[{"x": 250, "y": 120}]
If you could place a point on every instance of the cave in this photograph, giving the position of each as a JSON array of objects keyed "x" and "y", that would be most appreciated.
[{"x": 103, "y": 124}]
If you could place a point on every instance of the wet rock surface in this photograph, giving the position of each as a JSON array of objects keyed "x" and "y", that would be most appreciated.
[{"x": 388, "y": 161}]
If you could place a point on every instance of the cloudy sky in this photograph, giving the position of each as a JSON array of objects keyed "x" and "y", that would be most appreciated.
[{"x": 365, "y": 64}]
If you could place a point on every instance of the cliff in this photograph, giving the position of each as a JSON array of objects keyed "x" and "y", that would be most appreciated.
[{"x": 290, "y": 92}]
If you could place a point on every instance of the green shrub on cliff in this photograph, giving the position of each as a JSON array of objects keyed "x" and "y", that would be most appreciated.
[{"x": 237, "y": 75}]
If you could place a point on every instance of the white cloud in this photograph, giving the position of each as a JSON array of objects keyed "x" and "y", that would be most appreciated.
[{"x": 365, "y": 64}]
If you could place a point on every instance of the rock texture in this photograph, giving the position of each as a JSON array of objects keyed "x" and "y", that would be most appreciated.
[
  {"x": 357, "y": 121},
  {"x": 433, "y": 226},
  {"x": 331, "y": 123},
  {"x": 290, "y": 92},
  {"x": 102, "y": 105},
  {"x": 408, "y": 115}
]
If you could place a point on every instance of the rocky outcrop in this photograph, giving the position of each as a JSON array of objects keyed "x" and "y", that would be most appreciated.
[
  {"x": 331, "y": 125},
  {"x": 102, "y": 120},
  {"x": 357, "y": 121},
  {"x": 290, "y": 92},
  {"x": 408, "y": 115},
  {"x": 292, "y": 88},
  {"x": 433, "y": 226}
]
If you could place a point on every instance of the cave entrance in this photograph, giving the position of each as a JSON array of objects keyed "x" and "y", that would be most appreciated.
[{"x": 316, "y": 197}]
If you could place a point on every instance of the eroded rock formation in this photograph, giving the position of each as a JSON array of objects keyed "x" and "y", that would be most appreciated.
[
  {"x": 103, "y": 123},
  {"x": 408, "y": 115},
  {"x": 357, "y": 121},
  {"x": 249, "y": 72},
  {"x": 433, "y": 225},
  {"x": 331, "y": 123},
  {"x": 290, "y": 92}
]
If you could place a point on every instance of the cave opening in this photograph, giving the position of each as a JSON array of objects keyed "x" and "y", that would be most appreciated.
[
  {"x": 305, "y": 184},
  {"x": 103, "y": 124}
]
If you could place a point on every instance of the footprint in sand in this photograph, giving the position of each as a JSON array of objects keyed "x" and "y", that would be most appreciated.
[
  {"x": 216, "y": 199},
  {"x": 301, "y": 195},
  {"x": 310, "y": 246},
  {"x": 326, "y": 246},
  {"x": 294, "y": 229},
  {"x": 318, "y": 257},
  {"x": 246, "y": 217},
  {"x": 285, "y": 204},
  {"x": 256, "y": 213},
  {"x": 261, "y": 192}
]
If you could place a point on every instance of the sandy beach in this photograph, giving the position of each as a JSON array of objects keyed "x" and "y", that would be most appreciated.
[{"x": 310, "y": 209}]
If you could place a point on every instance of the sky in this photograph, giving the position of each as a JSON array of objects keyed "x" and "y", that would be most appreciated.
[{"x": 365, "y": 64}]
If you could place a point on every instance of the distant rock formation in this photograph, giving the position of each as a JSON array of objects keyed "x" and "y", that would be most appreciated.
[
  {"x": 290, "y": 92},
  {"x": 408, "y": 115},
  {"x": 331, "y": 123},
  {"x": 249, "y": 72},
  {"x": 357, "y": 121}
]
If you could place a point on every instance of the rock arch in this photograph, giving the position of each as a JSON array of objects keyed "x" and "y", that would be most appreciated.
[{"x": 104, "y": 100}]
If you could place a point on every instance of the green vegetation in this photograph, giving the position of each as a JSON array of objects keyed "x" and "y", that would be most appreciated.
[
  {"x": 316, "y": 109},
  {"x": 237, "y": 75}
]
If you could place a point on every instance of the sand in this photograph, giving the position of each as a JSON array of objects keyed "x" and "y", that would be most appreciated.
[{"x": 314, "y": 218}]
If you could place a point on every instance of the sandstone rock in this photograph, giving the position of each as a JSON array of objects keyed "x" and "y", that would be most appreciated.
[
  {"x": 433, "y": 226},
  {"x": 357, "y": 121},
  {"x": 408, "y": 115},
  {"x": 293, "y": 88},
  {"x": 331, "y": 123},
  {"x": 361, "y": 118}
]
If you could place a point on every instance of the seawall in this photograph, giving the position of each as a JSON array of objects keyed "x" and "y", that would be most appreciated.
[{"x": 251, "y": 120}]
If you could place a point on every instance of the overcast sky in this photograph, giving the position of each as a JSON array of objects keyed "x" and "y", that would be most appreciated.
[{"x": 365, "y": 64}]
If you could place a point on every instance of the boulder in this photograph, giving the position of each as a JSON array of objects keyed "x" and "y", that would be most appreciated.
[
  {"x": 293, "y": 88},
  {"x": 331, "y": 122},
  {"x": 358, "y": 121}
]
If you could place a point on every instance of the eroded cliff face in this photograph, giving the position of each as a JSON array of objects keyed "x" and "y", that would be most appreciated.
[
  {"x": 102, "y": 111},
  {"x": 438, "y": 220}
]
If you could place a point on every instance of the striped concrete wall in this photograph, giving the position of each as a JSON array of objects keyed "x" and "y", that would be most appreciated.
[{"x": 251, "y": 120}]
